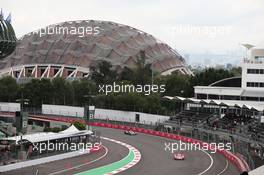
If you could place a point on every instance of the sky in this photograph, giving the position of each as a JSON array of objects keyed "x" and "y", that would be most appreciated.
[{"x": 190, "y": 26}]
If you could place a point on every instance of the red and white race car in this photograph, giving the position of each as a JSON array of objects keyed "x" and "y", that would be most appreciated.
[
  {"x": 178, "y": 156},
  {"x": 130, "y": 132}
]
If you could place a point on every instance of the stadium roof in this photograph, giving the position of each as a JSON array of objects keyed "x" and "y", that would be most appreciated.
[
  {"x": 113, "y": 42},
  {"x": 231, "y": 103},
  {"x": 7, "y": 36}
]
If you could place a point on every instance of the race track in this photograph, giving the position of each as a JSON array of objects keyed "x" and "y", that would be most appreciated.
[{"x": 154, "y": 161}]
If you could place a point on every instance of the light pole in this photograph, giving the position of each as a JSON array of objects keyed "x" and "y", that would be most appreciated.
[
  {"x": 21, "y": 121},
  {"x": 22, "y": 124},
  {"x": 152, "y": 74}
]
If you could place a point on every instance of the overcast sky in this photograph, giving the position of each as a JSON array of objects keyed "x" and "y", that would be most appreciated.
[{"x": 183, "y": 24}]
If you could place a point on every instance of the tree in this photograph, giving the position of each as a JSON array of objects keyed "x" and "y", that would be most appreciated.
[
  {"x": 178, "y": 84},
  {"x": 8, "y": 89},
  {"x": 209, "y": 76},
  {"x": 80, "y": 89},
  {"x": 140, "y": 74},
  {"x": 62, "y": 91},
  {"x": 142, "y": 71},
  {"x": 102, "y": 72},
  {"x": 80, "y": 126},
  {"x": 46, "y": 91},
  {"x": 33, "y": 92},
  {"x": 127, "y": 74}
]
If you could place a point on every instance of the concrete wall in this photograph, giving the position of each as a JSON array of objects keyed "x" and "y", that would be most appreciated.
[
  {"x": 63, "y": 110},
  {"x": 128, "y": 116},
  {"x": 125, "y": 116},
  {"x": 10, "y": 107}
]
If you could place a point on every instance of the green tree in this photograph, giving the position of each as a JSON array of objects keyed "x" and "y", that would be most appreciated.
[
  {"x": 62, "y": 91},
  {"x": 80, "y": 89},
  {"x": 8, "y": 89},
  {"x": 178, "y": 84},
  {"x": 209, "y": 76},
  {"x": 80, "y": 126},
  {"x": 141, "y": 73},
  {"x": 46, "y": 91},
  {"x": 102, "y": 72}
]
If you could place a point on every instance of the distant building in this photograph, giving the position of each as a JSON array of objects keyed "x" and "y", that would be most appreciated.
[
  {"x": 229, "y": 66},
  {"x": 241, "y": 91}
]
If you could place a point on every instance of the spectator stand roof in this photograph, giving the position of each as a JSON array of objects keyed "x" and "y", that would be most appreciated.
[
  {"x": 250, "y": 105},
  {"x": 72, "y": 131}
]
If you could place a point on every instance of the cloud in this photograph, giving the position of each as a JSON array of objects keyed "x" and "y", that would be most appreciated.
[{"x": 156, "y": 17}]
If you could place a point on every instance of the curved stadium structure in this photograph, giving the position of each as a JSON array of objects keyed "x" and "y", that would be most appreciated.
[
  {"x": 7, "y": 36},
  {"x": 65, "y": 50}
]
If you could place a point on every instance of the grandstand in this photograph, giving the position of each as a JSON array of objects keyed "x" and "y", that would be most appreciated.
[
  {"x": 256, "y": 130},
  {"x": 236, "y": 105},
  {"x": 231, "y": 121},
  {"x": 191, "y": 117}
]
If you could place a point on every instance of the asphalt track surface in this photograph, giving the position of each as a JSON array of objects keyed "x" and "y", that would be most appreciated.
[{"x": 155, "y": 160}]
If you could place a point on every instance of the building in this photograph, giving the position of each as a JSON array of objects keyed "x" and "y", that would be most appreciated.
[
  {"x": 243, "y": 94},
  {"x": 249, "y": 87},
  {"x": 7, "y": 36},
  {"x": 245, "y": 90},
  {"x": 69, "y": 48}
]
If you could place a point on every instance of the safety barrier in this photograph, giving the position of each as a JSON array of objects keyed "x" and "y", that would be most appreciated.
[
  {"x": 241, "y": 165},
  {"x": 42, "y": 160}
]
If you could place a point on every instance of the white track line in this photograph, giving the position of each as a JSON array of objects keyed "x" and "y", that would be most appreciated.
[
  {"x": 78, "y": 166},
  {"x": 224, "y": 168},
  {"x": 136, "y": 152},
  {"x": 207, "y": 169},
  {"x": 131, "y": 164},
  {"x": 211, "y": 164}
]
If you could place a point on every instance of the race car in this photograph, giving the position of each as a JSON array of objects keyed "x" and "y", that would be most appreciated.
[
  {"x": 130, "y": 132},
  {"x": 179, "y": 156}
]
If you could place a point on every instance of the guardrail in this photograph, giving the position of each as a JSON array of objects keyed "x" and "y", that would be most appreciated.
[{"x": 241, "y": 165}]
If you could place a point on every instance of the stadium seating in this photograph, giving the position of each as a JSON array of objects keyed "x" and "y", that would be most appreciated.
[
  {"x": 231, "y": 121},
  {"x": 191, "y": 117},
  {"x": 256, "y": 130}
]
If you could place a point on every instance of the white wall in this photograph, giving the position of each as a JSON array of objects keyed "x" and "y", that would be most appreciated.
[
  {"x": 103, "y": 114},
  {"x": 252, "y": 77},
  {"x": 218, "y": 90},
  {"x": 63, "y": 110},
  {"x": 129, "y": 116},
  {"x": 10, "y": 107},
  {"x": 126, "y": 116},
  {"x": 253, "y": 63}
]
